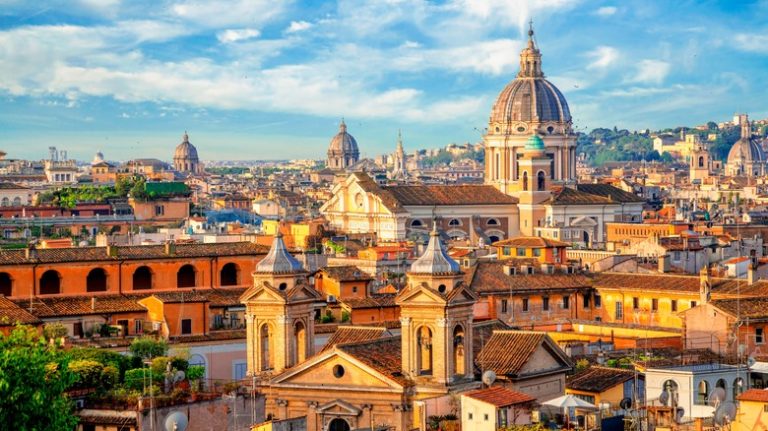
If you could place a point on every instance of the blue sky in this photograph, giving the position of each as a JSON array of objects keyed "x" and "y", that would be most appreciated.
[{"x": 264, "y": 79}]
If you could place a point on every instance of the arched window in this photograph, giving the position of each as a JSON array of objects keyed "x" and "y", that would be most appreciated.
[
  {"x": 5, "y": 202},
  {"x": 96, "y": 280},
  {"x": 702, "y": 394},
  {"x": 701, "y": 161},
  {"x": 300, "y": 342},
  {"x": 416, "y": 223},
  {"x": 17, "y": 201},
  {"x": 6, "y": 284},
  {"x": 229, "y": 274},
  {"x": 197, "y": 360},
  {"x": 338, "y": 424},
  {"x": 540, "y": 180},
  {"x": 454, "y": 222},
  {"x": 186, "y": 276},
  {"x": 525, "y": 181},
  {"x": 424, "y": 357},
  {"x": 142, "y": 278},
  {"x": 50, "y": 283},
  {"x": 492, "y": 222},
  {"x": 459, "y": 351},
  {"x": 265, "y": 341}
]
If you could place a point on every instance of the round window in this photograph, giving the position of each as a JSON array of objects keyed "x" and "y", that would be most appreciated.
[
  {"x": 521, "y": 129},
  {"x": 441, "y": 288},
  {"x": 338, "y": 371},
  {"x": 283, "y": 286}
]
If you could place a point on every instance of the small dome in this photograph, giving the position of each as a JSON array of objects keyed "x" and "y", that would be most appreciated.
[
  {"x": 535, "y": 143},
  {"x": 279, "y": 260},
  {"x": 343, "y": 142},
  {"x": 185, "y": 150},
  {"x": 98, "y": 158},
  {"x": 435, "y": 260}
]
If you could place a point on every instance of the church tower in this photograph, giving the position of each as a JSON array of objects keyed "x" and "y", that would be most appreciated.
[
  {"x": 436, "y": 319},
  {"x": 280, "y": 309},
  {"x": 342, "y": 151},
  {"x": 700, "y": 166},
  {"x": 398, "y": 159},
  {"x": 529, "y": 105},
  {"x": 534, "y": 185}
]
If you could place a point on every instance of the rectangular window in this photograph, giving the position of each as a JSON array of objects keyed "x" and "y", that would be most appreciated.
[
  {"x": 504, "y": 306},
  {"x": 239, "y": 369},
  {"x": 138, "y": 327},
  {"x": 619, "y": 310},
  {"x": 186, "y": 326},
  {"x": 635, "y": 303},
  {"x": 471, "y": 416},
  {"x": 676, "y": 256},
  {"x": 521, "y": 252},
  {"x": 693, "y": 304},
  {"x": 525, "y": 304},
  {"x": 566, "y": 302},
  {"x": 586, "y": 301},
  {"x": 655, "y": 304},
  {"x": 674, "y": 305},
  {"x": 159, "y": 210},
  {"x": 598, "y": 301},
  {"x": 485, "y": 416},
  {"x": 354, "y": 289},
  {"x": 545, "y": 303},
  {"x": 537, "y": 252},
  {"x": 507, "y": 252},
  {"x": 759, "y": 336}
]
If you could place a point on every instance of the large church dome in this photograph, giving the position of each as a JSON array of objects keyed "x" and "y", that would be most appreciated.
[
  {"x": 530, "y": 99},
  {"x": 746, "y": 150},
  {"x": 185, "y": 150},
  {"x": 343, "y": 142}
]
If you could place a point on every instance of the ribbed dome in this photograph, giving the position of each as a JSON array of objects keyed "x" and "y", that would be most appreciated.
[
  {"x": 530, "y": 97},
  {"x": 745, "y": 150},
  {"x": 279, "y": 260},
  {"x": 98, "y": 158},
  {"x": 185, "y": 150},
  {"x": 435, "y": 260},
  {"x": 343, "y": 142}
]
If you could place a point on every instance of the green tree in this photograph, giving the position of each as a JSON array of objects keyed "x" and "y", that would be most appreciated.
[
  {"x": 148, "y": 347},
  {"x": 33, "y": 378}
]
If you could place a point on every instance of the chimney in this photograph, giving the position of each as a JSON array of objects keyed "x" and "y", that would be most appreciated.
[
  {"x": 111, "y": 250},
  {"x": 93, "y": 303},
  {"x": 31, "y": 252},
  {"x": 664, "y": 263},
  {"x": 752, "y": 275},
  {"x": 170, "y": 248},
  {"x": 705, "y": 285},
  {"x": 509, "y": 270}
]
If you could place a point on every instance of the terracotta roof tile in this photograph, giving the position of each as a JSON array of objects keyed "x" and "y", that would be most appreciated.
[
  {"x": 598, "y": 379},
  {"x": 614, "y": 194},
  {"x": 346, "y": 273},
  {"x": 531, "y": 242},
  {"x": 506, "y": 352},
  {"x": 375, "y": 301},
  {"x": 754, "y": 308},
  {"x": 191, "y": 295},
  {"x": 490, "y": 277},
  {"x": 11, "y": 313},
  {"x": 760, "y": 395},
  {"x": 224, "y": 296},
  {"x": 383, "y": 355},
  {"x": 354, "y": 334},
  {"x": 428, "y": 195},
  {"x": 81, "y": 305},
  {"x": 500, "y": 396},
  {"x": 686, "y": 284}
]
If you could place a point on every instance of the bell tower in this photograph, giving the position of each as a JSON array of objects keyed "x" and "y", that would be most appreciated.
[
  {"x": 700, "y": 166},
  {"x": 436, "y": 317},
  {"x": 534, "y": 185},
  {"x": 279, "y": 313}
]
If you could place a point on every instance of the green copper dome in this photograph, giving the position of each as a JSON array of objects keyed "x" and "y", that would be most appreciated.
[{"x": 535, "y": 143}]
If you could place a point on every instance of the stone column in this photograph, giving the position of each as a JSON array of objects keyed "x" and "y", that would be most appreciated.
[
  {"x": 440, "y": 349},
  {"x": 250, "y": 342},
  {"x": 406, "y": 345}
]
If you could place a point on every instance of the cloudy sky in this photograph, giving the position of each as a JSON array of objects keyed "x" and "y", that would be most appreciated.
[{"x": 265, "y": 79}]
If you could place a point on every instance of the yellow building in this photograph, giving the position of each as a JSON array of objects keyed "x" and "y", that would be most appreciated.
[
  {"x": 753, "y": 411},
  {"x": 543, "y": 250}
]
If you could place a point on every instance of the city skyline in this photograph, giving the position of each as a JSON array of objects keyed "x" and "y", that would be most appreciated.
[{"x": 264, "y": 81}]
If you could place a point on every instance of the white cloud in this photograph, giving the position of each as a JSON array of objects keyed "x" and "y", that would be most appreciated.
[
  {"x": 603, "y": 57},
  {"x": 216, "y": 14},
  {"x": 297, "y": 26},
  {"x": 409, "y": 44},
  {"x": 751, "y": 42},
  {"x": 651, "y": 71},
  {"x": 516, "y": 12},
  {"x": 606, "y": 11},
  {"x": 235, "y": 35}
]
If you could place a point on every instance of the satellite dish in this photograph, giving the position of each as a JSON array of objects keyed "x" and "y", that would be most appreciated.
[
  {"x": 725, "y": 413},
  {"x": 179, "y": 376},
  {"x": 176, "y": 421},
  {"x": 717, "y": 397},
  {"x": 664, "y": 397},
  {"x": 751, "y": 361},
  {"x": 625, "y": 403},
  {"x": 489, "y": 377}
]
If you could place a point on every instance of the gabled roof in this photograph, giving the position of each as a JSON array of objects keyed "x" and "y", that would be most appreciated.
[
  {"x": 61, "y": 306},
  {"x": 759, "y": 395},
  {"x": 354, "y": 334},
  {"x": 507, "y": 352},
  {"x": 489, "y": 277},
  {"x": 383, "y": 355},
  {"x": 374, "y": 301},
  {"x": 11, "y": 313},
  {"x": 614, "y": 194},
  {"x": 684, "y": 284},
  {"x": 500, "y": 396},
  {"x": 531, "y": 242},
  {"x": 598, "y": 379},
  {"x": 459, "y": 294},
  {"x": 752, "y": 308}
]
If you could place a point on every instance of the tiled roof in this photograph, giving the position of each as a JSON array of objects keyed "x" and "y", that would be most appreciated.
[
  {"x": 81, "y": 305},
  {"x": 684, "y": 284},
  {"x": 753, "y": 308},
  {"x": 500, "y": 396},
  {"x": 117, "y": 418},
  {"x": 428, "y": 195},
  {"x": 569, "y": 196},
  {"x": 136, "y": 252},
  {"x": 224, "y": 296},
  {"x": 598, "y": 379},
  {"x": 760, "y": 395},
  {"x": 11, "y": 313},
  {"x": 375, "y": 301},
  {"x": 614, "y": 194},
  {"x": 507, "y": 352},
  {"x": 383, "y": 355},
  {"x": 179, "y": 296},
  {"x": 354, "y": 334},
  {"x": 11, "y": 186},
  {"x": 490, "y": 277},
  {"x": 531, "y": 242},
  {"x": 481, "y": 333},
  {"x": 346, "y": 273}
]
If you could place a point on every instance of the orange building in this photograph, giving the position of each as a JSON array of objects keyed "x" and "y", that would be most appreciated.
[
  {"x": 342, "y": 282},
  {"x": 630, "y": 233},
  {"x": 166, "y": 209},
  {"x": 544, "y": 250}
]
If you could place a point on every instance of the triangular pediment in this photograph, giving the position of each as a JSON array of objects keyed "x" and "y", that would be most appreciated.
[
  {"x": 461, "y": 294},
  {"x": 321, "y": 372},
  {"x": 262, "y": 293},
  {"x": 303, "y": 292},
  {"x": 419, "y": 295},
  {"x": 339, "y": 407}
]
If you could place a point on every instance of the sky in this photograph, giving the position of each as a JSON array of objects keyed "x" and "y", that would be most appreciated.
[{"x": 270, "y": 79}]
